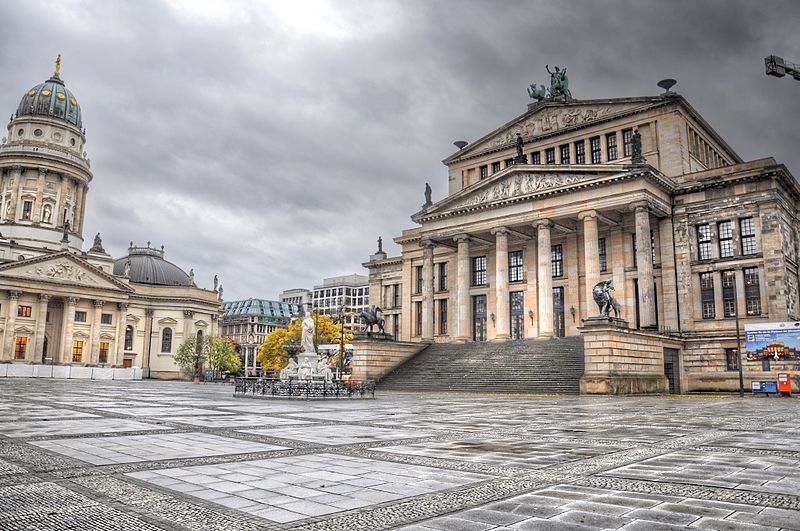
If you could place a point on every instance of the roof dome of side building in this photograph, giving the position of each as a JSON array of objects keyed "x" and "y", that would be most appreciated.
[
  {"x": 53, "y": 100},
  {"x": 147, "y": 266}
]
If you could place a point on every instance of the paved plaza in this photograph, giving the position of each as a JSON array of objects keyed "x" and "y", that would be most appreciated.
[{"x": 145, "y": 455}]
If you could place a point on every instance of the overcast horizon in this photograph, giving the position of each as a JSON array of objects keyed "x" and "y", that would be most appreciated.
[{"x": 272, "y": 143}]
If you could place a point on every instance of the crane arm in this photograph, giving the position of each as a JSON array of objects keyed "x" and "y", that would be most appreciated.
[{"x": 778, "y": 67}]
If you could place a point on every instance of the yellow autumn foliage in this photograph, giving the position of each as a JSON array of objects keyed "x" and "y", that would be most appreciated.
[{"x": 271, "y": 353}]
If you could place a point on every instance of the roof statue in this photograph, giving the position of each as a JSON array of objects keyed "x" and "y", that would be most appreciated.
[
  {"x": 97, "y": 246},
  {"x": 559, "y": 86},
  {"x": 521, "y": 158},
  {"x": 380, "y": 244},
  {"x": 428, "y": 201},
  {"x": 636, "y": 148},
  {"x": 57, "y": 72}
]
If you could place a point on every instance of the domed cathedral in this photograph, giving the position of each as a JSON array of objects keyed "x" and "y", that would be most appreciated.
[{"x": 60, "y": 304}]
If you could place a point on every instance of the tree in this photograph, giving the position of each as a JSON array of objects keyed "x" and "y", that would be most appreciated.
[
  {"x": 222, "y": 355},
  {"x": 273, "y": 356},
  {"x": 192, "y": 354}
]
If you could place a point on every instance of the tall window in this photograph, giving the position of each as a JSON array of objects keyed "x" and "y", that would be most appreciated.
[
  {"x": 443, "y": 316},
  {"x": 536, "y": 157},
  {"x": 517, "y": 312},
  {"x": 550, "y": 155},
  {"x": 484, "y": 171},
  {"x": 443, "y": 276},
  {"x": 20, "y": 346},
  {"x": 418, "y": 271},
  {"x": 728, "y": 293},
  {"x": 707, "y": 295},
  {"x": 479, "y": 271},
  {"x": 594, "y": 145},
  {"x": 601, "y": 249},
  {"x": 747, "y": 230},
  {"x": 752, "y": 291},
  {"x": 704, "y": 242},
  {"x": 725, "y": 236},
  {"x": 564, "y": 153},
  {"x": 515, "y": 266},
  {"x": 627, "y": 142},
  {"x": 557, "y": 260},
  {"x": 559, "y": 328},
  {"x": 732, "y": 359},
  {"x": 508, "y": 162},
  {"x": 166, "y": 340},
  {"x": 580, "y": 152},
  {"x": 611, "y": 146},
  {"x": 418, "y": 318},
  {"x": 396, "y": 326},
  {"x": 495, "y": 167},
  {"x": 106, "y": 319},
  {"x": 396, "y": 296},
  {"x": 23, "y": 311},
  {"x": 103, "y": 352},
  {"x": 128, "y": 338},
  {"x": 27, "y": 208},
  {"x": 77, "y": 350},
  {"x": 80, "y": 317},
  {"x": 479, "y": 318}
]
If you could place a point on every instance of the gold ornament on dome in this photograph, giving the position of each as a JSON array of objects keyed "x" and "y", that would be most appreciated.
[
  {"x": 32, "y": 92},
  {"x": 45, "y": 92},
  {"x": 72, "y": 101},
  {"x": 60, "y": 96},
  {"x": 57, "y": 72}
]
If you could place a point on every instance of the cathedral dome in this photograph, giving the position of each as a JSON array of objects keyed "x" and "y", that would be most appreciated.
[
  {"x": 52, "y": 99},
  {"x": 147, "y": 266}
]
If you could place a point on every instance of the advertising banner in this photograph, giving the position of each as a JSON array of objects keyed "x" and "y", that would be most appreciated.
[{"x": 776, "y": 341}]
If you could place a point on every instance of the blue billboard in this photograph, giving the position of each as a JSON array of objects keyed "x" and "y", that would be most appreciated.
[{"x": 776, "y": 341}]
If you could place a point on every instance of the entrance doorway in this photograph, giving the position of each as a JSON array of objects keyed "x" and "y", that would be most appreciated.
[
  {"x": 672, "y": 370},
  {"x": 558, "y": 312},
  {"x": 517, "y": 307},
  {"x": 479, "y": 318}
]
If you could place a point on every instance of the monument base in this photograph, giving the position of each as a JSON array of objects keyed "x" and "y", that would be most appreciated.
[
  {"x": 376, "y": 336},
  {"x": 604, "y": 320}
]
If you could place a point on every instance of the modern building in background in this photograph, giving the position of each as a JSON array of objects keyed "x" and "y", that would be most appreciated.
[
  {"x": 540, "y": 210},
  {"x": 249, "y": 321},
  {"x": 299, "y": 296},
  {"x": 351, "y": 291},
  {"x": 58, "y": 303}
]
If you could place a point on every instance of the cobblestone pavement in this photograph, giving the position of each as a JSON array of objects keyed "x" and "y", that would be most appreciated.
[{"x": 176, "y": 456}]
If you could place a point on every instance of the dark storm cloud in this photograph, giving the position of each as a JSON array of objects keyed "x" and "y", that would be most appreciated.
[{"x": 272, "y": 143}]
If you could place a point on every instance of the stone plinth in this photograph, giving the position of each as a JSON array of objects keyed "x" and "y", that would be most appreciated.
[{"x": 374, "y": 359}]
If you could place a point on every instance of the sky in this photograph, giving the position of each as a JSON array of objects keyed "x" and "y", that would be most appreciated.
[{"x": 273, "y": 142}]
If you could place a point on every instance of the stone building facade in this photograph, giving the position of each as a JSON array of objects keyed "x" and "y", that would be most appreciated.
[
  {"x": 543, "y": 208},
  {"x": 58, "y": 303}
]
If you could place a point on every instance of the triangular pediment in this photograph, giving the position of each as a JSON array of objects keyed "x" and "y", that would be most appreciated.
[
  {"x": 167, "y": 321},
  {"x": 64, "y": 269},
  {"x": 23, "y": 330},
  {"x": 552, "y": 117},
  {"x": 201, "y": 324}
]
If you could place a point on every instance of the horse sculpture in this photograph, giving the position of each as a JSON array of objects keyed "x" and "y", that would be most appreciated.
[
  {"x": 369, "y": 318},
  {"x": 602, "y": 296}
]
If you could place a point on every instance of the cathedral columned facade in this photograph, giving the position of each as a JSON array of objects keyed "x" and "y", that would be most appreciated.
[
  {"x": 60, "y": 304},
  {"x": 640, "y": 191}
]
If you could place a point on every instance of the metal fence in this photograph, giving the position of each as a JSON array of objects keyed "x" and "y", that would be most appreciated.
[{"x": 307, "y": 389}]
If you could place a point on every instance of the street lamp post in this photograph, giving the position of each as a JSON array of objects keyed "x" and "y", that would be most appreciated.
[{"x": 341, "y": 314}]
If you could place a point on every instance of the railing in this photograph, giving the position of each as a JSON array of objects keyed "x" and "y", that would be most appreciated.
[
  {"x": 11, "y": 148},
  {"x": 292, "y": 388}
]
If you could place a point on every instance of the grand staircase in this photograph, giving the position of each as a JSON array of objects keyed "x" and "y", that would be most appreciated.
[{"x": 526, "y": 366}]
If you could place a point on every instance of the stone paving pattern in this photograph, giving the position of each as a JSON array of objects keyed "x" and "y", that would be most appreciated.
[{"x": 174, "y": 455}]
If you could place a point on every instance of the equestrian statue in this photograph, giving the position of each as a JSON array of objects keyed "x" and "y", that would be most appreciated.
[
  {"x": 369, "y": 318},
  {"x": 601, "y": 293}
]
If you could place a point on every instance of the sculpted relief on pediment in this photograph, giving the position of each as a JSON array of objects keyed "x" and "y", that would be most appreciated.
[
  {"x": 519, "y": 184},
  {"x": 59, "y": 271},
  {"x": 549, "y": 120}
]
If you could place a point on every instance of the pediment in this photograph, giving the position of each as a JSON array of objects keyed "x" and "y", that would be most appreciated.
[
  {"x": 553, "y": 117},
  {"x": 201, "y": 324},
  {"x": 81, "y": 334},
  {"x": 107, "y": 336},
  {"x": 23, "y": 330},
  {"x": 167, "y": 321},
  {"x": 64, "y": 269}
]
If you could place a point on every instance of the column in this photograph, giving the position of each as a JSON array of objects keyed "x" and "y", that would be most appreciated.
[
  {"x": 591, "y": 258},
  {"x": 69, "y": 325},
  {"x": 11, "y": 322},
  {"x": 36, "y": 215},
  {"x": 95, "y": 348},
  {"x": 502, "y": 325},
  {"x": 545, "y": 278},
  {"x": 148, "y": 342},
  {"x": 35, "y": 353},
  {"x": 122, "y": 323},
  {"x": 462, "y": 289},
  {"x": 16, "y": 176},
  {"x": 80, "y": 200},
  {"x": 58, "y": 215},
  {"x": 644, "y": 266},
  {"x": 428, "y": 321},
  {"x": 188, "y": 315}
]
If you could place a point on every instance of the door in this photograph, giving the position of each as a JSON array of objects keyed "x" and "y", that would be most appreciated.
[
  {"x": 517, "y": 311},
  {"x": 127, "y": 363},
  {"x": 672, "y": 370},
  {"x": 479, "y": 318},
  {"x": 558, "y": 312}
]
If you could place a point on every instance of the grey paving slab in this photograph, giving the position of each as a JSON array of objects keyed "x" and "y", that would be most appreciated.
[
  {"x": 340, "y": 434},
  {"x": 237, "y": 421},
  {"x": 163, "y": 411},
  {"x": 87, "y": 426}
]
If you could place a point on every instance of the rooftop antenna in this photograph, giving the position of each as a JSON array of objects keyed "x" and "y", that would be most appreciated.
[{"x": 667, "y": 84}]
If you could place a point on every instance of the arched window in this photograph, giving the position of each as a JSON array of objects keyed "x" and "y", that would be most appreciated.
[
  {"x": 166, "y": 340},
  {"x": 129, "y": 337},
  {"x": 199, "y": 336}
]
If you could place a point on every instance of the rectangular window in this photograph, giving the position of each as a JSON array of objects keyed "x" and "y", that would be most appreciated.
[
  {"x": 580, "y": 152},
  {"x": 627, "y": 142},
  {"x": 20, "y": 346},
  {"x": 508, "y": 162},
  {"x": 611, "y": 146},
  {"x": 536, "y": 157},
  {"x": 557, "y": 260},
  {"x": 725, "y": 236},
  {"x": 442, "y": 316},
  {"x": 550, "y": 155},
  {"x": 495, "y": 167},
  {"x": 27, "y": 208},
  {"x": 732, "y": 359},
  {"x": 728, "y": 293},
  {"x": 396, "y": 296},
  {"x": 479, "y": 271},
  {"x": 752, "y": 291},
  {"x": 704, "y": 242},
  {"x": 594, "y": 145},
  {"x": 707, "y": 295},
  {"x": 418, "y": 285},
  {"x": 106, "y": 319},
  {"x": 601, "y": 249},
  {"x": 747, "y": 230},
  {"x": 559, "y": 328},
  {"x": 23, "y": 311},
  {"x": 77, "y": 350},
  {"x": 515, "y": 267},
  {"x": 80, "y": 317},
  {"x": 564, "y": 153},
  {"x": 443, "y": 276},
  {"x": 103, "y": 352},
  {"x": 479, "y": 318},
  {"x": 418, "y": 318},
  {"x": 517, "y": 313}
]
